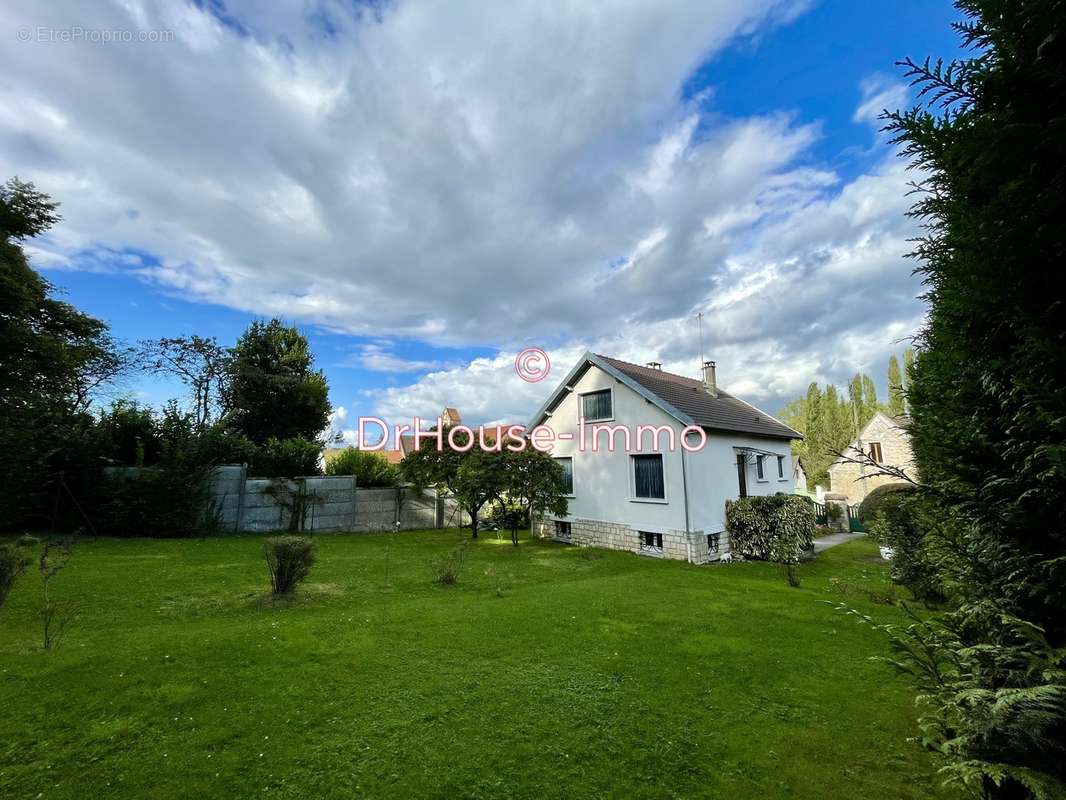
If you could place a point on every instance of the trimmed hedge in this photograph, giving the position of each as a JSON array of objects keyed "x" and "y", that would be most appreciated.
[
  {"x": 883, "y": 499},
  {"x": 777, "y": 527}
]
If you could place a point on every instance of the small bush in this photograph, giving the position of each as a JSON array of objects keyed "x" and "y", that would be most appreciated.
[
  {"x": 369, "y": 468},
  {"x": 13, "y": 562},
  {"x": 27, "y": 540},
  {"x": 447, "y": 570},
  {"x": 289, "y": 560},
  {"x": 287, "y": 458},
  {"x": 777, "y": 527},
  {"x": 883, "y": 498}
]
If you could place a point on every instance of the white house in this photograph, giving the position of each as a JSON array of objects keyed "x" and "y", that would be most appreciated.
[{"x": 668, "y": 502}]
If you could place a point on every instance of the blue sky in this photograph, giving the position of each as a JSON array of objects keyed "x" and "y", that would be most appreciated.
[{"x": 424, "y": 193}]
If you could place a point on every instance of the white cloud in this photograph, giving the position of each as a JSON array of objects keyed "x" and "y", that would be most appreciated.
[
  {"x": 465, "y": 172},
  {"x": 378, "y": 357},
  {"x": 879, "y": 92}
]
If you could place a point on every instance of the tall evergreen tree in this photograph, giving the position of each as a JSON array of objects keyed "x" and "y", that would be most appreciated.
[
  {"x": 988, "y": 391},
  {"x": 870, "y": 404},
  {"x": 895, "y": 387}
]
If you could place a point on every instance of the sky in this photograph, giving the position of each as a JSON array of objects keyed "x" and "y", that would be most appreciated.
[{"x": 427, "y": 188}]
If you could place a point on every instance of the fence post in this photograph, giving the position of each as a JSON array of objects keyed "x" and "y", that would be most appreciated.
[{"x": 240, "y": 499}]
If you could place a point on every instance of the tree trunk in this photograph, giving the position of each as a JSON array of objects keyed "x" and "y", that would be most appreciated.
[
  {"x": 514, "y": 536},
  {"x": 473, "y": 523}
]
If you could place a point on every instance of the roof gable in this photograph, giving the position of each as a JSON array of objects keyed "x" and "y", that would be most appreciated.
[{"x": 685, "y": 399}]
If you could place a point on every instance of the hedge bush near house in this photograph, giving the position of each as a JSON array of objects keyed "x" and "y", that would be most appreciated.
[
  {"x": 883, "y": 499},
  {"x": 776, "y": 527},
  {"x": 910, "y": 525}
]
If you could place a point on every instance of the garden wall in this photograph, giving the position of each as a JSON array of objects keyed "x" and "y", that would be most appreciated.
[{"x": 331, "y": 503}]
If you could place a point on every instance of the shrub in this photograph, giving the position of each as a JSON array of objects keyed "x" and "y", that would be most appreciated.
[
  {"x": 776, "y": 527},
  {"x": 287, "y": 458},
  {"x": 13, "y": 562},
  {"x": 909, "y": 526},
  {"x": 289, "y": 560},
  {"x": 369, "y": 468},
  {"x": 446, "y": 571},
  {"x": 883, "y": 497}
]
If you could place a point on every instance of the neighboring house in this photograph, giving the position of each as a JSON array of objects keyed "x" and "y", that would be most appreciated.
[
  {"x": 667, "y": 503},
  {"x": 886, "y": 441}
]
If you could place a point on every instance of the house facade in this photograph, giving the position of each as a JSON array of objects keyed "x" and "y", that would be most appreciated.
[
  {"x": 885, "y": 441},
  {"x": 642, "y": 494}
]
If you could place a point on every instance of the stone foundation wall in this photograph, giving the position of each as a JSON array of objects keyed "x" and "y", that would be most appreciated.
[{"x": 691, "y": 546}]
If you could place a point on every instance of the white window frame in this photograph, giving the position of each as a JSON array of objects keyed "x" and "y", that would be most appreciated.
[
  {"x": 782, "y": 473},
  {"x": 573, "y": 476},
  {"x": 633, "y": 481},
  {"x": 581, "y": 405},
  {"x": 760, "y": 461}
]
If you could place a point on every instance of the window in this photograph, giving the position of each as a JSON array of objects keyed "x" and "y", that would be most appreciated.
[
  {"x": 651, "y": 542},
  {"x": 568, "y": 474},
  {"x": 781, "y": 468},
  {"x": 875, "y": 452},
  {"x": 648, "y": 483},
  {"x": 760, "y": 469},
  {"x": 562, "y": 530},
  {"x": 713, "y": 542},
  {"x": 597, "y": 405}
]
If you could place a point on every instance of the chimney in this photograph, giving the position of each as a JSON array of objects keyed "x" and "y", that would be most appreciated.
[
  {"x": 654, "y": 365},
  {"x": 710, "y": 383}
]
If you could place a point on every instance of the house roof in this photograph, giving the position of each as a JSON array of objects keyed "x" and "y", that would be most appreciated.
[{"x": 685, "y": 399}]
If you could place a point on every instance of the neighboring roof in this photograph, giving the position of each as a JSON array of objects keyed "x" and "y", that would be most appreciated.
[{"x": 685, "y": 399}]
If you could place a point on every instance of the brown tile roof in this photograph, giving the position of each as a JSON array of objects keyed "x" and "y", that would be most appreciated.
[{"x": 723, "y": 413}]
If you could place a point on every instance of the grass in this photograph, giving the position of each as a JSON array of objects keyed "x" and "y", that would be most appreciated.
[{"x": 548, "y": 671}]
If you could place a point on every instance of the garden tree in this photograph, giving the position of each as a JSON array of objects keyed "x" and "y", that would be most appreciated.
[
  {"x": 53, "y": 360},
  {"x": 870, "y": 403},
  {"x": 202, "y": 364},
  {"x": 474, "y": 476},
  {"x": 895, "y": 387},
  {"x": 987, "y": 394},
  {"x": 272, "y": 390},
  {"x": 534, "y": 481}
]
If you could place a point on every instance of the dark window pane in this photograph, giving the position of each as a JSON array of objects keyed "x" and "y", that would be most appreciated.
[
  {"x": 648, "y": 477},
  {"x": 758, "y": 466},
  {"x": 780, "y": 466},
  {"x": 568, "y": 473},
  {"x": 596, "y": 405}
]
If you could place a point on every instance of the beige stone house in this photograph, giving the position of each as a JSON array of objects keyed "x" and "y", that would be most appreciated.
[{"x": 886, "y": 441}]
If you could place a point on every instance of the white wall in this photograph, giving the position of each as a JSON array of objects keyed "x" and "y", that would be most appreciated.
[
  {"x": 712, "y": 476},
  {"x": 602, "y": 480}
]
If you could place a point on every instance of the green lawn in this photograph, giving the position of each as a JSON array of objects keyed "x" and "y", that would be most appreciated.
[{"x": 549, "y": 671}]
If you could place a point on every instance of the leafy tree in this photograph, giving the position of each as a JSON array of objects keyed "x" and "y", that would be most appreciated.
[
  {"x": 895, "y": 388},
  {"x": 987, "y": 394},
  {"x": 273, "y": 390},
  {"x": 202, "y": 364},
  {"x": 475, "y": 477},
  {"x": 53, "y": 360},
  {"x": 534, "y": 481}
]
